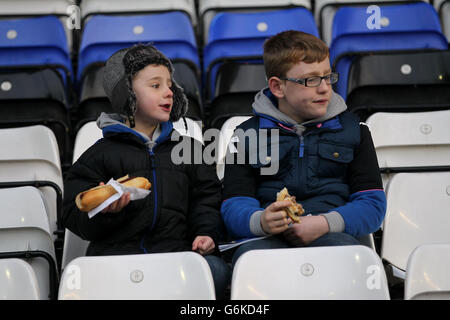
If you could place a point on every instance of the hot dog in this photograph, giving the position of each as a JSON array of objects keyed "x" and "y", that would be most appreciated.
[
  {"x": 92, "y": 198},
  {"x": 295, "y": 210}
]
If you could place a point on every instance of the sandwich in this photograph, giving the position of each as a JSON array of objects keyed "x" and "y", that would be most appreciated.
[{"x": 295, "y": 210}]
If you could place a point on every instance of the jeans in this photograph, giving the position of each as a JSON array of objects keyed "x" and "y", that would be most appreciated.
[
  {"x": 274, "y": 242},
  {"x": 221, "y": 273}
]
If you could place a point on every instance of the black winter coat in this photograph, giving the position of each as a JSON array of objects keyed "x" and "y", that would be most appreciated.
[{"x": 184, "y": 201}]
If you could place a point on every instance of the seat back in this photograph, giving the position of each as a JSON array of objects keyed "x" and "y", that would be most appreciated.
[
  {"x": 427, "y": 273},
  {"x": 35, "y": 41},
  {"x": 33, "y": 96},
  {"x": 325, "y": 11},
  {"x": 93, "y": 7},
  {"x": 351, "y": 35},
  {"x": 65, "y": 10},
  {"x": 17, "y": 280},
  {"x": 88, "y": 134},
  {"x": 410, "y": 141},
  {"x": 189, "y": 80},
  {"x": 30, "y": 7},
  {"x": 35, "y": 69},
  {"x": 240, "y": 36},
  {"x": 104, "y": 35},
  {"x": 417, "y": 213},
  {"x": 189, "y": 127},
  {"x": 337, "y": 273},
  {"x": 419, "y": 139},
  {"x": 31, "y": 154},
  {"x": 226, "y": 132},
  {"x": 24, "y": 227},
  {"x": 409, "y": 81},
  {"x": 236, "y": 87},
  {"x": 173, "y": 276},
  {"x": 209, "y": 8},
  {"x": 74, "y": 247},
  {"x": 443, "y": 9}
]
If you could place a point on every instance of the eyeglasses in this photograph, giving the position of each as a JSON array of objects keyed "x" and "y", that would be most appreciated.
[{"x": 316, "y": 81}]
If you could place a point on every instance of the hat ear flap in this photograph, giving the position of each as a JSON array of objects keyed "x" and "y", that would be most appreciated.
[{"x": 180, "y": 102}]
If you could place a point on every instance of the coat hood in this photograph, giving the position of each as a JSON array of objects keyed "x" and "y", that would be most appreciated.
[{"x": 266, "y": 105}]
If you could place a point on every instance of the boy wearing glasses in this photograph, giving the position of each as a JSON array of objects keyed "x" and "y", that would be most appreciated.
[{"x": 326, "y": 157}]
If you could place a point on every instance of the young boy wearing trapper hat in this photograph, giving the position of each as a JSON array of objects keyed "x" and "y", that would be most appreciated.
[{"x": 182, "y": 211}]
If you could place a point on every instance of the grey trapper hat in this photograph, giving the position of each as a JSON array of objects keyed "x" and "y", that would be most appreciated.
[{"x": 119, "y": 71}]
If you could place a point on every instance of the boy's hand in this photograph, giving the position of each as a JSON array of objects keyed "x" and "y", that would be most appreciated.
[
  {"x": 274, "y": 219},
  {"x": 203, "y": 245},
  {"x": 117, "y": 205},
  {"x": 309, "y": 229}
]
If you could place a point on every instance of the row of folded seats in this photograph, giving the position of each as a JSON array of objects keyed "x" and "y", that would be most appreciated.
[
  {"x": 53, "y": 75},
  {"x": 412, "y": 149},
  {"x": 395, "y": 78}
]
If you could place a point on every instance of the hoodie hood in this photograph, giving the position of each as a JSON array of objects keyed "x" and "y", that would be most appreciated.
[
  {"x": 114, "y": 123},
  {"x": 266, "y": 105}
]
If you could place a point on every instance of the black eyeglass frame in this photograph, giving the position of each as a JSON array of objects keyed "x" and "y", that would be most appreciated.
[{"x": 304, "y": 81}]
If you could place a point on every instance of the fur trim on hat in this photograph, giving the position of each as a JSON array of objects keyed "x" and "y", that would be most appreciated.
[
  {"x": 137, "y": 58},
  {"x": 120, "y": 69}
]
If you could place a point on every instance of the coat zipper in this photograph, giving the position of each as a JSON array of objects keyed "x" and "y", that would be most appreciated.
[
  {"x": 155, "y": 209},
  {"x": 302, "y": 147}
]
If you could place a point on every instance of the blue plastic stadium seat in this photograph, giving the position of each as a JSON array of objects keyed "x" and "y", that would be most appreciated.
[
  {"x": 414, "y": 26},
  {"x": 171, "y": 32},
  {"x": 36, "y": 76},
  {"x": 240, "y": 36},
  {"x": 34, "y": 42}
]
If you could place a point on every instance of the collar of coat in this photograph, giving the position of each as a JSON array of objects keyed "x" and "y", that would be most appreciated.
[{"x": 119, "y": 128}]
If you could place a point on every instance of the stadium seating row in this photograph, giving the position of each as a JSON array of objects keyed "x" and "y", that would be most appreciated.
[
  {"x": 325, "y": 273},
  {"x": 34, "y": 55},
  {"x": 412, "y": 148},
  {"x": 200, "y": 12},
  {"x": 396, "y": 78}
]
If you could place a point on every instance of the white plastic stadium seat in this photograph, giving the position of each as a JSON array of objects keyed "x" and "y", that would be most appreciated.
[
  {"x": 209, "y": 8},
  {"x": 194, "y": 128},
  {"x": 417, "y": 213},
  {"x": 91, "y": 7},
  {"x": 326, "y": 9},
  {"x": 427, "y": 273},
  {"x": 24, "y": 227},
  {"x": 31, "y": 154},
  {"x": 337, "y": 273},
  {"x": 30, "y": 7},
  {"x": 420, "y": 139},
  {"x": 74, "y": 246},
  {"x": 443, "y": 9},
  {"x": 226, "y": 132},
  {"x": 159, "y": 276},
  {"x": 17, "y": 280},
  {"x": 445, "y": 18},
  {"x": 88, "y": 134}
]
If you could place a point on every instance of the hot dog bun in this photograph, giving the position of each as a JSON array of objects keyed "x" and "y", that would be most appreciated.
[
  {"x": 92, "y": 198},
  {"x": 295, "y": 210}
]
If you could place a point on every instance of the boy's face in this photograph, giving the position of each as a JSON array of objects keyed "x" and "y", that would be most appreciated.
[
  {"x": 299, "y": 102},
  {"x": 154, "y": 98}
]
